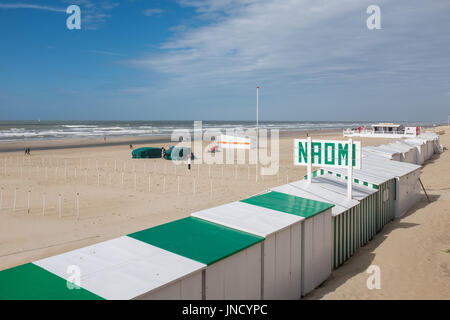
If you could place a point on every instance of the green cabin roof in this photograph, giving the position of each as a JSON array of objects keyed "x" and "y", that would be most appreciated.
[
  {"x": 197, "y": 239},
  {"x": 31, "y": 282},
  {"x": 289, "y": 204}
]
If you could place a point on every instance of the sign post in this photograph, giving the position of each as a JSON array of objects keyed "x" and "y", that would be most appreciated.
[
  {"x": 328, "y": 153},
  {"x": 309, "y": 151},
  {"x": 350, "y": 169}
]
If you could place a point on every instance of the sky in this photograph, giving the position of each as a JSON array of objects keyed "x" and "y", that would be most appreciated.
[{"x": 202, "y": 60}]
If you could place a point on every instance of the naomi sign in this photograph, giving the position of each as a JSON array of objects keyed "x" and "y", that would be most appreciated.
[{"x": 327, "y": 153}]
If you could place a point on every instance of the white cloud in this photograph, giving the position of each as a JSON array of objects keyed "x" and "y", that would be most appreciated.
[
  {"x": 298, "y": 41},
  {"x": 153, "y": 11},
  {"x": 30, "y": 6},
  {"x": 108, "y": 53}
]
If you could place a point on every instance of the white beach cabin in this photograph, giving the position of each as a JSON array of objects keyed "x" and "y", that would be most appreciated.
[
  {"x": 281, "y": 267},
  {"x": 125, "y": 268}
]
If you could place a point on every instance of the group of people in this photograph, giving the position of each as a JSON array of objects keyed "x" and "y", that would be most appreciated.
[{"x": 28, "y": 151}]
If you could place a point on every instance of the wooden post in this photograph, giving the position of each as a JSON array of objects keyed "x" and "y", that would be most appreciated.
[
  {"x": 28, "y": 202},
  {"x": 149, "y": 182},
  {"x": 424, "y": 190},
  {"x": 15, "y": 199},
  {"x": 211, "y": 186},
  {"x": 43, "y": 204},
  {"x": 78, "y": 206},
  {"x": 59, "y": 206},
  {"x": 1, "y": 198},
  {"x": 122, "y": 178}
]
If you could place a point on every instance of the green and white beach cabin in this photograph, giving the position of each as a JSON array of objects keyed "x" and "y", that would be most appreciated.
[
  {"x": 316, "y": 235},
  {"x": 282, "y": 246},
  {"x": 346, "y": 224},
  {"x": 121, "y": 268},
  {"x": 232, "y": 257}
]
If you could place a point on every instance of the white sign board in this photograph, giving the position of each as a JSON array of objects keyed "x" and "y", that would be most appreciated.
[
  {"x": 327, "y": 153},
  {"x": 234, "y": 142}
]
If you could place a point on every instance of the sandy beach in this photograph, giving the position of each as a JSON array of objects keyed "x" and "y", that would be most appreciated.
[{"x": 412, "y": 252}]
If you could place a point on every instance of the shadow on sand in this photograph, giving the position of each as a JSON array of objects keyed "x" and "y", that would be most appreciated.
[{"x": 364, "y": 256}]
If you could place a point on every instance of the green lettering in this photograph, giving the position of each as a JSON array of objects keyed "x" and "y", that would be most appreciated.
[
  {"x": 316, "y": 152},
  {"x": 343, "y": 154},
  {"x": 333, "y": 151},
  {"x": 302, "y": 153}
]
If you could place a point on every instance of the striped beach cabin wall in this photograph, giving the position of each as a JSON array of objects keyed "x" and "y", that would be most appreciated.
[
  {"x": 316, "y": 235},
  {"x": 232, "y": 257},
  {"x": 282, "y": 246},
  {"x": 349, "y": 236},
  {"x": 377, "y": 209},
  {"x": 345, "y": 213}
]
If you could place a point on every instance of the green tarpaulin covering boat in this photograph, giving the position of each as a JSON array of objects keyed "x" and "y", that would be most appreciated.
[
  {"x": 178, "y": 153},
  {"x": 146, "y": 153}
]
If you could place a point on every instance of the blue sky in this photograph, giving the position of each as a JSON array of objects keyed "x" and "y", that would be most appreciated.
[{"x": 198, "y": 59}]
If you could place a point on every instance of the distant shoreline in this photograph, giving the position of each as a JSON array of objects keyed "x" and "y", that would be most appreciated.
[{"x": 76, "y": 143}]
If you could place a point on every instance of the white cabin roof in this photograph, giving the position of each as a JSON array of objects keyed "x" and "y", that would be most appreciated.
[
  {"x": 249, "y": 218},
  {"x": 123, "y": 268}
]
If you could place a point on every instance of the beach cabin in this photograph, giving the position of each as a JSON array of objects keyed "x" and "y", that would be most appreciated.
[
  {"x": 316, "y": 237},
  {"x": 407, "y": 175},
  {"x": 384, "y": 151},
  {"x": 125, "y": 268},
  {"x": 232, "y": 257},
  {"x": 31, "y": 282},
  {"x": 408, "y": 153},
  {"x": 377, "y": 209},
  {"x": 432, "y": 141},
  {"x": 282, "y": 246},
  {"x": 421, "y": 149},
  {"x": 345, "y": 212}
]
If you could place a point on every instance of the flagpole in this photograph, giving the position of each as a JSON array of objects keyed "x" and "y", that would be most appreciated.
[{"x": 257, "y": 131}]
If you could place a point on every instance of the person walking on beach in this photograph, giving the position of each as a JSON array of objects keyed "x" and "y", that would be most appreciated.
[
  {"x": 189, "y": 162},
  {"x": 163, "y": 153}
]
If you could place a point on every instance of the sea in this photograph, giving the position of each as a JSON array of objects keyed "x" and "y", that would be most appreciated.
[{"x": 50, "y": 130}]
